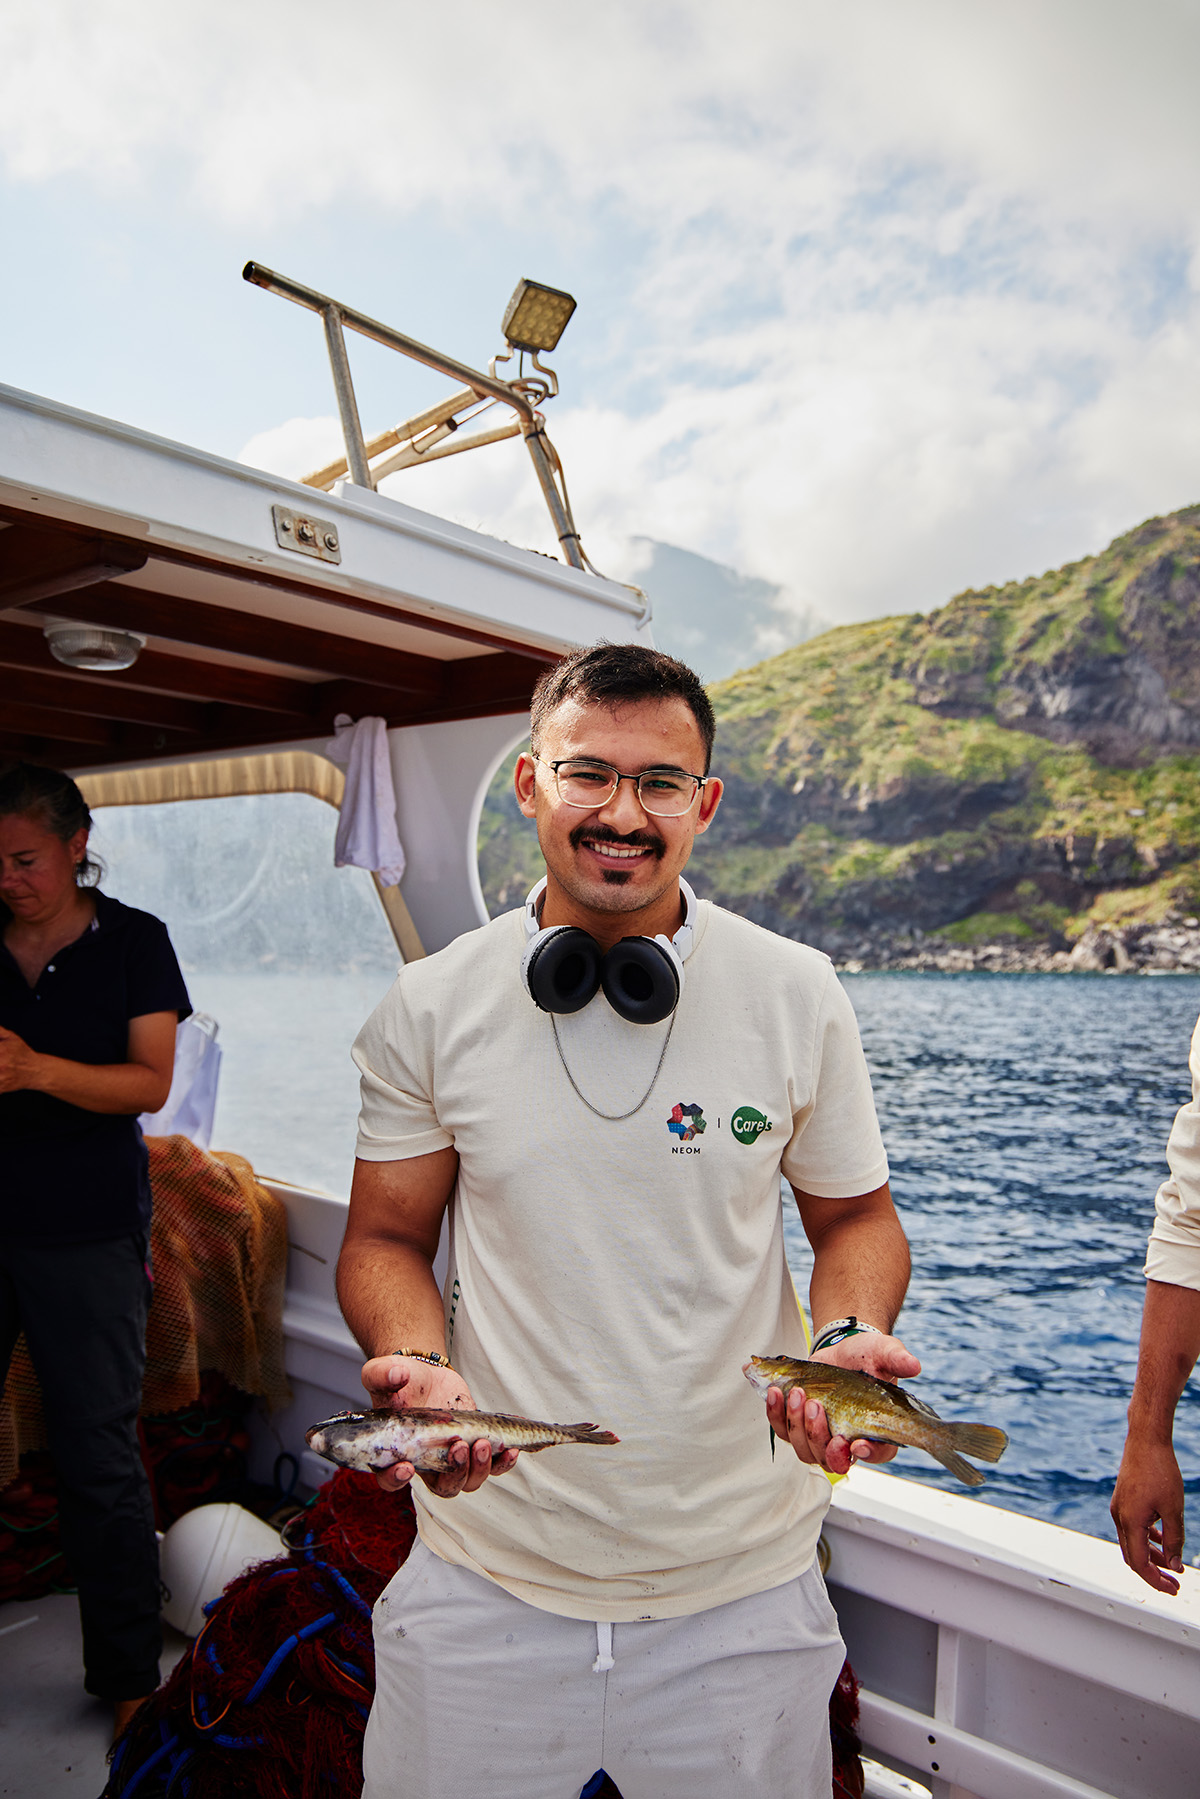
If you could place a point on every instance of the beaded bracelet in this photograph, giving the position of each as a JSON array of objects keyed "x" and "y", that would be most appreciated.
[{"x": 434, "y": 1357}]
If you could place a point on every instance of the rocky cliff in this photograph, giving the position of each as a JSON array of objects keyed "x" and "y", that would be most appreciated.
[{"x": 1012, "y": 780}]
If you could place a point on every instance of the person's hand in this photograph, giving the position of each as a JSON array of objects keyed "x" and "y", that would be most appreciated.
[
  {"x": 802, "y": 1421},
  {"x": 397, "y": 1382},
  {"x": 18, "y": 1063},
  {"x": 1147, "y": 1509}
]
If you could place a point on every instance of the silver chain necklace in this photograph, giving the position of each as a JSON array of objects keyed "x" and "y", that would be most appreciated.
[{"x": 614, "y": 1117}]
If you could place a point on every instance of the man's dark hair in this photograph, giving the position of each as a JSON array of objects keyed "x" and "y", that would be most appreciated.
[{"x": 614, "y": 674}]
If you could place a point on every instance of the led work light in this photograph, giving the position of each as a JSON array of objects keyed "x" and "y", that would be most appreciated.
[{"x": 536, "y": 316}]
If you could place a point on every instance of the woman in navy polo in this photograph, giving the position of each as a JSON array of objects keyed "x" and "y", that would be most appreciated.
[{"x": 90, "y": 995}]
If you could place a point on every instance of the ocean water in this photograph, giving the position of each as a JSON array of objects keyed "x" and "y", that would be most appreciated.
[{"x": 1025, "y": 1118}]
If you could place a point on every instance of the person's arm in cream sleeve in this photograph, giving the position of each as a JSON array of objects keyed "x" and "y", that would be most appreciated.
[{"x": 1147, "y": 1503}]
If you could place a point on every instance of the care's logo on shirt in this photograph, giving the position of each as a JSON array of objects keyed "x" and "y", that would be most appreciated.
[
  {"x": 687, "y": 1123},
  {"x": 748, "y": 1125}
]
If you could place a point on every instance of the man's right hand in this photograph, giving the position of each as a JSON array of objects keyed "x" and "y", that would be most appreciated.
[
  {"x": 1147, "y": 1509},
  {"x": 397, "y": 1382}
]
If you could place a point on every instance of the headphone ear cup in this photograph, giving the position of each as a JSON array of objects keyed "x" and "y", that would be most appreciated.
[
  {"x": 561, "y": 969},
  {"x": 640, "y": 980}
]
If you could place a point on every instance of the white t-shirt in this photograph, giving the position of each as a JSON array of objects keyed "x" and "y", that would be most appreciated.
[
  {"x": 1173, "y": 1254},
  {"x": 622, "y": 1273}
]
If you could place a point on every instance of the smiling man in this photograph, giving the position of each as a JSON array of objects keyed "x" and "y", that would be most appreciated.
[{"x": 604, "y": 1090}]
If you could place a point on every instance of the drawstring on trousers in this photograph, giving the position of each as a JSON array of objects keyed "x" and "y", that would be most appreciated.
[{"x": 604, "y": 1654}]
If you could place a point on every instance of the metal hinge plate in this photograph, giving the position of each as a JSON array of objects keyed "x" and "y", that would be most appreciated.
[{"x": 311, "y": 536}]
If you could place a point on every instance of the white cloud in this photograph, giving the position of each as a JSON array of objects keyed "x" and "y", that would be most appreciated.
[
  {"x": 296, "y": 448},
  {"x": 1088, "y": 102},
  {"x": 909, "y": 302}
]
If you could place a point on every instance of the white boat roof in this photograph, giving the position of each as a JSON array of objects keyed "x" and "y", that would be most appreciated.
[{"x": 250, "y": 638}]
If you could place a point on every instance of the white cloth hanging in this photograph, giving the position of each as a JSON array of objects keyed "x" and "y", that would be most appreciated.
[
  {"x": 366, "y": 833},
  {"x": 192, "y": 1102}
]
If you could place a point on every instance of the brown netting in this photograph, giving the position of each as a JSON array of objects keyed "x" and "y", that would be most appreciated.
[{"x": 219, "y": 1249}]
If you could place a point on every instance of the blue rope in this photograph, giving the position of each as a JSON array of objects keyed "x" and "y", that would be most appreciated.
[
  {"x": 159, "y": 1754},
  {"x": 340, "y": 1581},
  {"x": 284, "y": 1650},
  {"x": 350, "y": 1668},
  {"x": 178, "y": 1774}
]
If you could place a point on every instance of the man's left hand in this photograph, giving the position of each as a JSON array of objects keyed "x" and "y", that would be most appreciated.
[{"x": 802, "y": 1421}]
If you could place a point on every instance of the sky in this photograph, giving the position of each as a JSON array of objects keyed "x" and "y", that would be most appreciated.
[{"x": 876, "y": 301}]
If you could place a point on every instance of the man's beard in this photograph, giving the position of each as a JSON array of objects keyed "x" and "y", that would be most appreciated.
[{"x": 636, "y": 840}]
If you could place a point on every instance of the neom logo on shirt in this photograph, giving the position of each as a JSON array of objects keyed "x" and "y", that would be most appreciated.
[{"x": 748, "y": 1125}]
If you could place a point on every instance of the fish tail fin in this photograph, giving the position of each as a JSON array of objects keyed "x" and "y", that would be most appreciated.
[
  {"x": 953, "y": 1441},
  {"x": 983, "y": 1441},
  {"x": 950, "y": 1458},
  {"x": 587, "y": 1433}
]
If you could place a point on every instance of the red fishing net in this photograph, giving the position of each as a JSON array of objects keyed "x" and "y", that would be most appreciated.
[
  {"x": 272, "y": 1699},
  {"x": 848, "y": 1780},
  {"x": 31, "y": 1558}
]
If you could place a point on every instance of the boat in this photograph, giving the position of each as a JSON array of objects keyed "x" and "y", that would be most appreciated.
[{"x": 1000, "y": 1657}]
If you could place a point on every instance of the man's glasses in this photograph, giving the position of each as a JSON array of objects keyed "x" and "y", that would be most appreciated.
[{"x": 663, "y": 792}]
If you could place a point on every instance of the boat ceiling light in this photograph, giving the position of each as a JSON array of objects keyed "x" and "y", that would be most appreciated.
[
  {"x": 93, "y": 647},
  {"x": 536, "y": 316}
]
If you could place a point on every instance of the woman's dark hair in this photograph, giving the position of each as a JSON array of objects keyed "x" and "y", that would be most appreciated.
[
  {"x": 613, "y": 674},
  {"x": 28, "y": 790}
]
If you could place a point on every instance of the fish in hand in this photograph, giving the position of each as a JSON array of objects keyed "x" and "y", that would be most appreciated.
[
  {"x": 373, "y": 1441},
  {"x": 859, "y": 1405}
]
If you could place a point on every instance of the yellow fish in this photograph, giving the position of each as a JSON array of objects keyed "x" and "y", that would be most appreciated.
[{"x": 858, "y": 1405}]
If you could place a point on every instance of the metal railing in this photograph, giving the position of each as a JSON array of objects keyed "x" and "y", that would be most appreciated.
[{"x": 423, "y": 438}]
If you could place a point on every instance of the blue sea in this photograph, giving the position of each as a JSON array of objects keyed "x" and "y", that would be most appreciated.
[{"x": 1025, "y": 1118}]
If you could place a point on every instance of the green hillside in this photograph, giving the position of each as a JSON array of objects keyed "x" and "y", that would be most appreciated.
[{"x": 1017, "y": 766}]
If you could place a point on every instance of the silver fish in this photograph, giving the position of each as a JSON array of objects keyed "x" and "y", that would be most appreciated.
[{"x": 373, "y": 1441}]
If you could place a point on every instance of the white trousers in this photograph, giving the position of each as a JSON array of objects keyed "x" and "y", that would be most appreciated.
[{"x": 480, "y": 1695}]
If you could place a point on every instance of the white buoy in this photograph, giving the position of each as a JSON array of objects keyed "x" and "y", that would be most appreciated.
[{"x": 203, "y": 1551}]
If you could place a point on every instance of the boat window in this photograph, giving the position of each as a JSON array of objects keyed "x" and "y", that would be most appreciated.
[
  {"x": 510, "y": 861},
  {"x": 288, "y": 953}
]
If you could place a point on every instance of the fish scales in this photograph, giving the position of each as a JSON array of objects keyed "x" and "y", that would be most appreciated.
[
  {"x": 373, "y": 1441},
  {"x": 861, "y": 1405}
]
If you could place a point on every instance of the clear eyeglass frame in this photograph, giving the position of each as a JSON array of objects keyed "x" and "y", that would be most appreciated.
[{"x": 585, "y": 786}]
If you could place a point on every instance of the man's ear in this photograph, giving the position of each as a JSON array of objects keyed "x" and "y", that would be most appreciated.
[
  {"x": 525, "y": 783},
  {"x": 710, "y": 799}
]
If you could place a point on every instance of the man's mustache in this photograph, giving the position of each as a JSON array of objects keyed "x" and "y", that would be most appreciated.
[{"x": 636, "y": 840}]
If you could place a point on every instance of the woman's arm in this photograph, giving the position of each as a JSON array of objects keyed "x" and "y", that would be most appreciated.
[{"x": 139, "y": 1084}]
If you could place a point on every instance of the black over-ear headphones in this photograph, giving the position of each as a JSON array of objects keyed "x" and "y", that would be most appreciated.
[{"x": 563, "y": 967}]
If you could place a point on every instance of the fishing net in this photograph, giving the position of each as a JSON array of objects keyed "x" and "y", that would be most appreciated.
[
  {"x": 31, "y": 1557},
  {"x": 219, "y": 1250},
  {"x": 848, "y": 1782},
  {"x": 271, "y": 1700}
]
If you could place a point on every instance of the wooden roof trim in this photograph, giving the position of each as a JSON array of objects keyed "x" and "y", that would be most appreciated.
[
  {"x": 259, "y": 575},
  {"x": 157, "y": 672},
  {"x": 220, "y": 628},
  {"x": 45, "y": 741}
]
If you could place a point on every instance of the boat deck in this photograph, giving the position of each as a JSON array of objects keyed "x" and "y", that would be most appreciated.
[{"x": 54, "y": 1738}]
